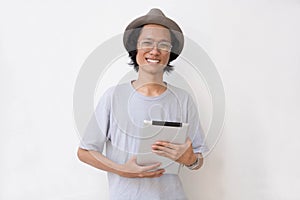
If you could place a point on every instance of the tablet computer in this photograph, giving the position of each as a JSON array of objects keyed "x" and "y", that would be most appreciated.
[{"x": 174, "y": 132}]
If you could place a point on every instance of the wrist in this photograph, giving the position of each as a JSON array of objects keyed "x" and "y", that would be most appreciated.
[
  {"x": 191, "y": 160},
  {"x": 196, "y": 162}
]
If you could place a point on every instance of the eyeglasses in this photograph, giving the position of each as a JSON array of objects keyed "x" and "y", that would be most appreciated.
[{"x": 148, "y": 45}]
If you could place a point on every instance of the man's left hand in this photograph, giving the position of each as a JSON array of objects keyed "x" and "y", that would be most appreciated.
[{"x": 181, "y": 153}]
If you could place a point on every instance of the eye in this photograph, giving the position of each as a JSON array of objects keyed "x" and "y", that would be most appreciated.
[
  {"x": 146, "y": 43},
  {"x": 166, "y": 46}
]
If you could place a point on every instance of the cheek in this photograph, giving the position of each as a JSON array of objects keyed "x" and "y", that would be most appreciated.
[
  {"x": 166, "y": 58},
  {"x": 139, "y": 58}
]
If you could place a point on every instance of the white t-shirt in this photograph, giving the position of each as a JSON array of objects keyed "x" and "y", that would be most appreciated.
[{"x": 117, "y": 120}]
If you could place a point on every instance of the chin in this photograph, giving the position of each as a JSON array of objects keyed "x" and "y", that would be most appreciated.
[{"x": 153, "y": 68}]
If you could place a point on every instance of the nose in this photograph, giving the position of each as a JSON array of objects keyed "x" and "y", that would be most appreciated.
[{"x": 154, "y": 50}]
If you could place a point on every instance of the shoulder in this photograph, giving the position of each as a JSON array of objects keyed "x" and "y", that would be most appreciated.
[
  {"x": 179, "y": 92},
  {"x": 116, "y": 93},
  {"x": 111, "y": 94},
  {"x": 116, "y": 89}
]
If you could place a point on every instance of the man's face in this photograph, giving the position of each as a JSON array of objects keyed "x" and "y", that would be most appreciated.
[{"x": 153, "y": 48}]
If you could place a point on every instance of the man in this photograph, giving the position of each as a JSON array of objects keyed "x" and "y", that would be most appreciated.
[{"x": 152, "y": 41}]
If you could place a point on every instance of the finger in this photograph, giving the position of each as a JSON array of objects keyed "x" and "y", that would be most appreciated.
[
  {"x": 169, "y": 153},
  {"x": 151, "y": 174},
  {"x": 149, "y": 167},
  {"x": 170, "y": 145},
  {"x": 133, "y": 159},
  {"x": 162, "y": 143},
  {"x": 188, "y": 142},
  {"x": 157, "y": 148},
  {"x": 165, "y": 154},
  {"x": 160, "y": 153},
  {"x": 156, "y": 173}
]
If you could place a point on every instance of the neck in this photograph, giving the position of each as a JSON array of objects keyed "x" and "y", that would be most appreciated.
[
  {"x": 150, "y": 85},
  {"x": 148, "y": 80}
]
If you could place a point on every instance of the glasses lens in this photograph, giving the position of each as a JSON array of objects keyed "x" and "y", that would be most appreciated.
[
  {"x": 148, "y": 45},
  {"x": 164, "y": 46}
]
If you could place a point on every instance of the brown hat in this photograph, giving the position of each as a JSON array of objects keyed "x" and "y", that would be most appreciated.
[{"x": 155, "y": 16}]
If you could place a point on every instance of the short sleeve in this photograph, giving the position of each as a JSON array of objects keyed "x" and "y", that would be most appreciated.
[
  {"x": 196, "y": 133},
  {"x": 96, "y": 131}
]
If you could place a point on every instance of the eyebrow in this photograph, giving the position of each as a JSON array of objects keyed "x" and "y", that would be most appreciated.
[{"x": 163, "y": 40}]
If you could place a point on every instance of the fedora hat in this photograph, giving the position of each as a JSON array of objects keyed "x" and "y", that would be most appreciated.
[{"x": 154, "y": 16}]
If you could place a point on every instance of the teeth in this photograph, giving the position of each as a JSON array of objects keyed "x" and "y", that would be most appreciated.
[{"x": 152, "y": 61}]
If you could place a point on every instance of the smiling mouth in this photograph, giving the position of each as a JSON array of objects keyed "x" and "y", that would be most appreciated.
[{"x": 152, "y": 60}]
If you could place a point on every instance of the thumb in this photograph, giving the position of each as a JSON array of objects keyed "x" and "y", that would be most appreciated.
[{"x": 133, "y": 159}]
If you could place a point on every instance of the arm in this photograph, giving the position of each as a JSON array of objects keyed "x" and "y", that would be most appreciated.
[
  {"x": 181, "y": 153},
  {"x": 130, "y": 169}
]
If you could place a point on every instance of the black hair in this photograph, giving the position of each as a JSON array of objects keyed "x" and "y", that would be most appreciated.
[{"x": 132, "y": 42}]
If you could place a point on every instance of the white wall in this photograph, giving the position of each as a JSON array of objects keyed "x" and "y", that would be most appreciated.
[{"x": 254, "y": 44}]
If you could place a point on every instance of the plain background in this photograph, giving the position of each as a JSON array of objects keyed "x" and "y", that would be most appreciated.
[{"x": 254, "y": 44}]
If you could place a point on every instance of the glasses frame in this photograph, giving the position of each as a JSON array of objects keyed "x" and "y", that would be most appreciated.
[{"x": 155, "y": 44}]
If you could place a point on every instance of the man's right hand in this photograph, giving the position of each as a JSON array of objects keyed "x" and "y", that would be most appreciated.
[{"x": 132, "y": 170}]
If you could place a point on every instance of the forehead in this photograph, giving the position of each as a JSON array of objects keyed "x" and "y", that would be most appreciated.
[{"x": 155, "y": 32}]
